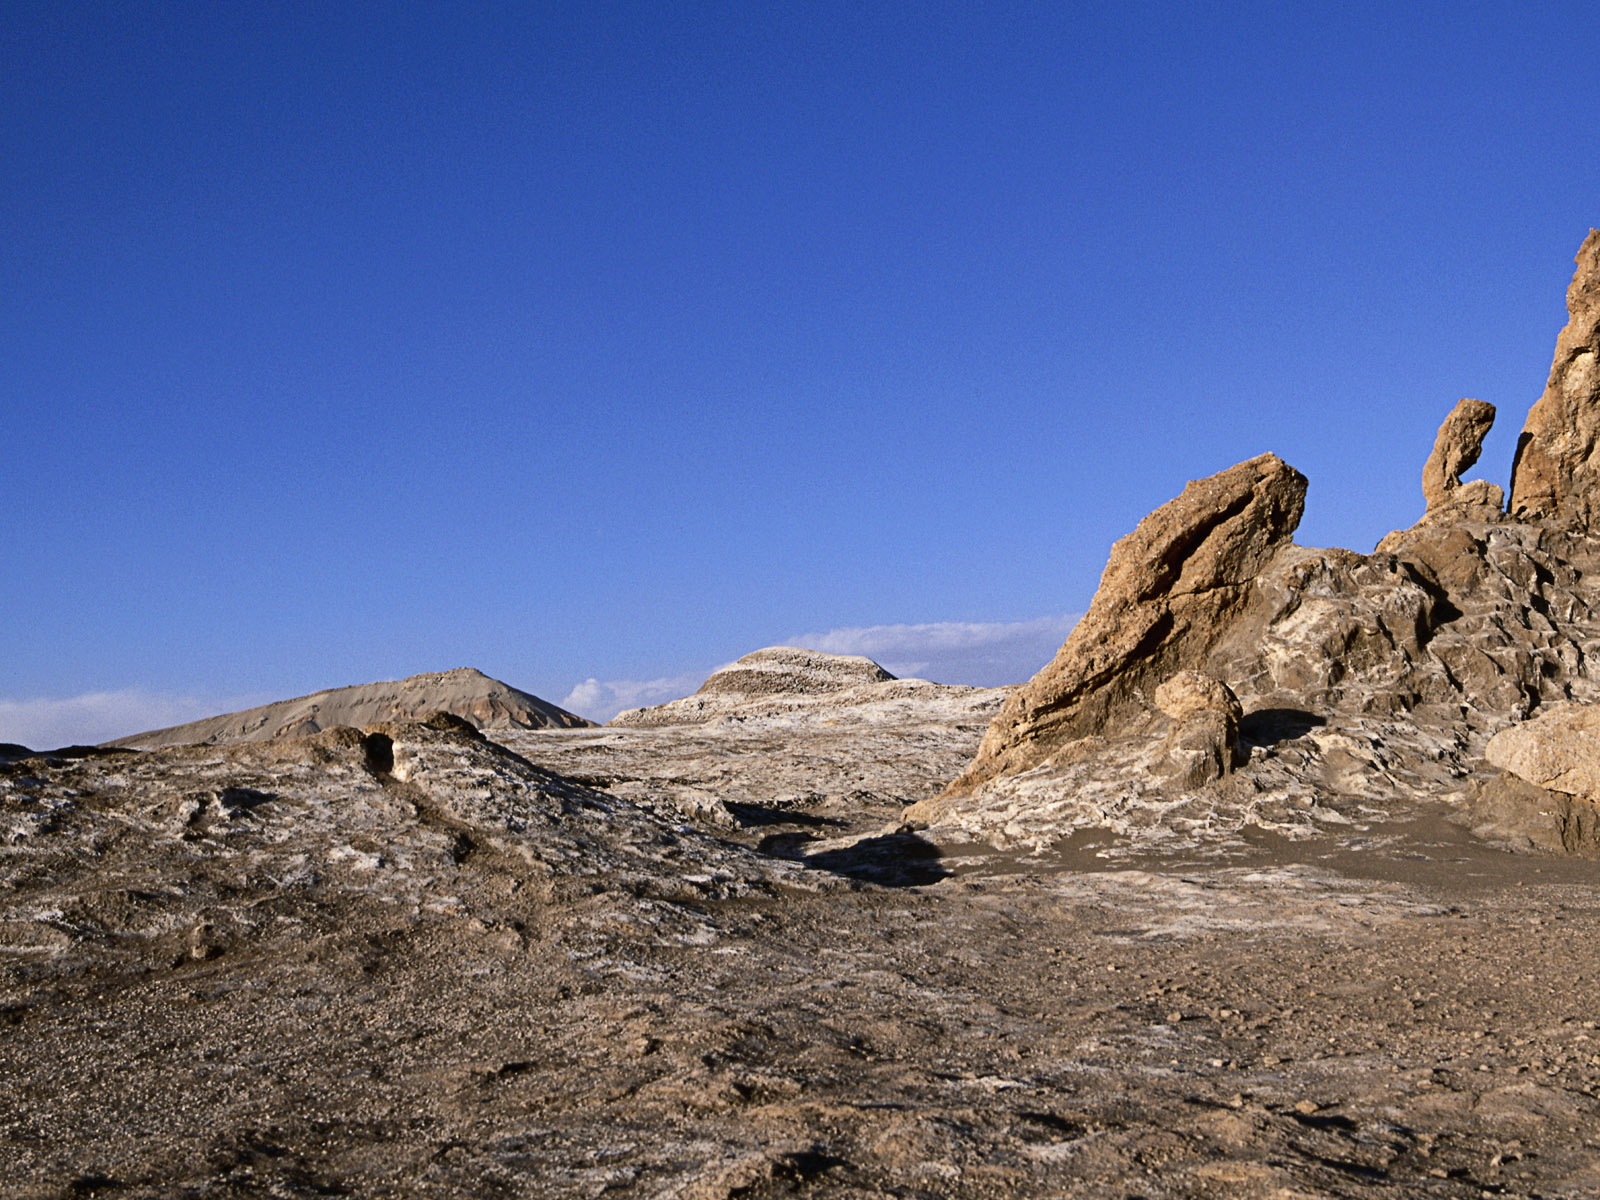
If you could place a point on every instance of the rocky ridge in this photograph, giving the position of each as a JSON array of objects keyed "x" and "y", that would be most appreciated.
[
  {"x": 1557, "y": 466},
  {"x": 467, "y": 693}
]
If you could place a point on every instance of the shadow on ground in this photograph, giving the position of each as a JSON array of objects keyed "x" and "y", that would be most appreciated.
[
  {"x": 1269, "y": 726},
  {"x": 890, "y": 860}
]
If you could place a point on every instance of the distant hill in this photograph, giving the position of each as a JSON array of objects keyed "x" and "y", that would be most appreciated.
[
  {"x": 486, "y": 703},
  {"x": 785, "y": 679}
]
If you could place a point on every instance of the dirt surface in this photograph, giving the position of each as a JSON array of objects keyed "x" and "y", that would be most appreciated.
[{"x": 306, "y": 970}]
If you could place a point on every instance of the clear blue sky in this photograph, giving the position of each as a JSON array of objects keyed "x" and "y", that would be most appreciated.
[{"x": 612, "y": 341}]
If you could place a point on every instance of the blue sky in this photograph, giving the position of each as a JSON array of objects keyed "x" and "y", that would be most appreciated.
[{"x": 599, "y": 344}]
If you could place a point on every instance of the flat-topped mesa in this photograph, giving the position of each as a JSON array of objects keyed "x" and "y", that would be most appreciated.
[
  {"x": 1169, "y": 592},
  {"x": 1456, "y": 449},
  {"x": 1555, "y": 477}
]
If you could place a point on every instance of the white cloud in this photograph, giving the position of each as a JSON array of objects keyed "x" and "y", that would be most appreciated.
[
  {"x": 600, "y": 700},
  {"x": 95, "y": 717},
  {"x": 983, "y": 653}
]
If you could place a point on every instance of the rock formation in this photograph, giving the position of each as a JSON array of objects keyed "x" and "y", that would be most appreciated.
[
  {"x": 469, "y": 694},
  {"x": 1203, "y": 743},
  {"x": 1365, "y": 681},
  {"x": 1168, "y": 593},
  {"x": 1545, "y": 792},
  {"x": 1456, "y": 448},
  {"x": 1557, "y": 750},
  {"x": 1556, "y": 473}
]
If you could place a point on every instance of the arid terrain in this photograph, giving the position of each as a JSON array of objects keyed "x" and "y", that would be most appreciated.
[
  {"x": 1281, "y": 880},
  {"x": 272, "y": 972}
]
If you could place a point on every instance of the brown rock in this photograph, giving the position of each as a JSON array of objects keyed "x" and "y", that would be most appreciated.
[
  {"x": 1557, "y": 750},
  {"x": 1521, "y": 816},
  {"x": 1455, "y": 449},
  {"x": 1189, "y": 693},
  {"x": 1203, "y": 743},
  {"x": 1557, "y": 465},
  {"x": 1166, "y": 597}
]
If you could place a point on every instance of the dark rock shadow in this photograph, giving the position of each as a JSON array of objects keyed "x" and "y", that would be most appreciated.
[
  {"x": 750, "y": 815},
  {"x": 241, "y": 801},
  {"x": 889, "y": 860},
  {"x": 1269, "y": 726}
]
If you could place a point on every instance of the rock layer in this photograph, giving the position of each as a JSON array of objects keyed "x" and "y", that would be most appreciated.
[
  {"x": 1168, "y": 594},
  {"x": 1556, "y": 473},
  {"x": 467, "y": 693}
]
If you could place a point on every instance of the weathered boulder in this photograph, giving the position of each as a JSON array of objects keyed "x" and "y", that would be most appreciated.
[
  {"x": 1455, "y": 449},
  {"x": 1555, "y": 477},
  {"x": 1203, "y": 743},
  {"x": 1168, "y": 594},
  {"x": 1546, "y": 791},
  {"x": 1558, "y": 750}
]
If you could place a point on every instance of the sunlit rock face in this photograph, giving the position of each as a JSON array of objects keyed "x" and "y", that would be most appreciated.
[
  {"x": 1557, "y": 468},
  {"x": 1170, "y": 589}
]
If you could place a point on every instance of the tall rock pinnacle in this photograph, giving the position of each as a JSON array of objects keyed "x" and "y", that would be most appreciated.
[{"x": 1555, "y": 476}]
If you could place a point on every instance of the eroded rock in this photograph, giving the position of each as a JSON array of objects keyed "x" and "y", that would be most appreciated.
[
  {"x": 1557, "y": 467},
  {"x": 1456, "y": 449},
  {"x": 1557, "y": 750},
  {"x": 788, "y": 670},
  {"x": 785, "y": 679},
  {"x": 1168, "y": 594},
  {"x": 1203, "y": 744}
]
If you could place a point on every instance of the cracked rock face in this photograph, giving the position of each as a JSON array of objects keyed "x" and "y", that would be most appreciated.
[
  {"x": 1169, "y": 592},
  {"x": 1557, "y": 467}
]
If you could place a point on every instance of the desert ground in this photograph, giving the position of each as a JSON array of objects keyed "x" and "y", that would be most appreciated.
[{"x": 283, "y": 970}]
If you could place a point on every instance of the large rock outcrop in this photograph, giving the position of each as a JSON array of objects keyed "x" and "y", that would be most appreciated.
[
  {"x": 1169, "y": 592},
  {"x": 1555, "y": 478},
  {"x": 483, "y": 702},
  {"x": 1365, "y": 683}
]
